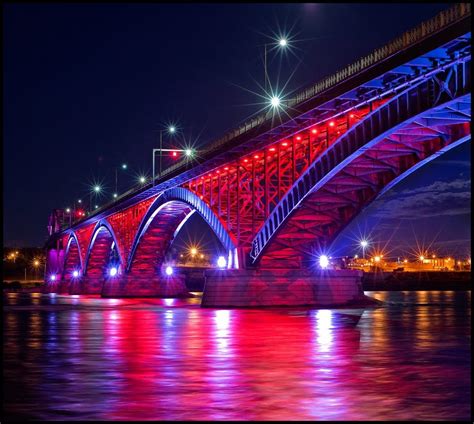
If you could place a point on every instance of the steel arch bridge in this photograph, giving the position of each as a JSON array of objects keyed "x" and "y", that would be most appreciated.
[{"x": 273, "y": 192}]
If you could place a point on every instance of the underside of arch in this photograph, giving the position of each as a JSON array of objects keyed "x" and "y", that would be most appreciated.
[
  {"x": 72, "y": 262},
  {"x": 161, "y": 224},
  {"x": 353, "y": 173}
]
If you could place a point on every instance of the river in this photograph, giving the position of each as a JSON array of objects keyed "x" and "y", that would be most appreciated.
[{"x": 87, "y": 358}]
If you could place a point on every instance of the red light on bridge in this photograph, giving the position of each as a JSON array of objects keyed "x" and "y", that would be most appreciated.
[
  {"x": 272, "y": 149},
  {"x": 174, "y": 154},
  {"x": 210, "y": 175},
  {"x": 351, "y": 115},
  {"x": 246, "y": 160},
  {"x": 331, "y": 124},
  {"x": 298, "y": 138},
  {"x": 256, "y": 156},
  {"x": 284, "y": 144},
  {"x": 226, "y": 168},
  {"x": 202, "y": 178},
  {"x": 314, "y": 131},
  {"x": 217, "y": 172}
]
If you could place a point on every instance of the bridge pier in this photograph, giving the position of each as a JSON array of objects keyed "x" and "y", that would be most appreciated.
[
  {"x": 87, "y": 285},
  {"x": 282, "y": 287},
  {"x": 142, "y": 286}
]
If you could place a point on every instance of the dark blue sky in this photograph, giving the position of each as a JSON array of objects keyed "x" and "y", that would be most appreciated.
[{"x": 86, "y": 87}]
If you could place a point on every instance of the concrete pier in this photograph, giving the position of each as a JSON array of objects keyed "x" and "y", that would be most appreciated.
[
  {"x": 133, "y": 286},
  {"x": 281, "y": 287}
]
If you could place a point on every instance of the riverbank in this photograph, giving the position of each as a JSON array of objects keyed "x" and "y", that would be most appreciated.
[{"x": 424, "y": 280}]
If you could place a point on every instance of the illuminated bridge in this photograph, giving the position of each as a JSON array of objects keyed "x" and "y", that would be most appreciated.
[{"x": 276, "y": 192}]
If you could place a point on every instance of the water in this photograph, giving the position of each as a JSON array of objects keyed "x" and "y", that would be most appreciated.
[{"x": 82, "y": 357}]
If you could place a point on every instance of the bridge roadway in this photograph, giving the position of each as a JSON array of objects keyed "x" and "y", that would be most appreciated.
[{"x": 278, "y": 190}]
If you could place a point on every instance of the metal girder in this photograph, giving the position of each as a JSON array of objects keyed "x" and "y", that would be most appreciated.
[{"x": 419, "y": 100}]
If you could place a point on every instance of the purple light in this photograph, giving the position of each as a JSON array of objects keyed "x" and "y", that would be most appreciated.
[
  {"x": 169, "y": 270},
  {"x": 52, "y": 277},
  {"x": 323, "y": 261},
  {"x": 75, "y": 273},
  {"x": 113, "y": 271}
]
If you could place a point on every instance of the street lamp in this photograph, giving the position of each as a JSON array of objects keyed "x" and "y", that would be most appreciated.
[
  {"x": 363, "y": 244},
  {"x": 282, "y": 42},
  {"x": 170, "y": 130},
  {"x": 96, "y": 190},
  {"x": 123, "y": 166},
  {"x": 275, "y": 101}
]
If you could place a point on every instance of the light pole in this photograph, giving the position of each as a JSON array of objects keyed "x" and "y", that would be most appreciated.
[
  {"x": 123, "y": 166},
  {"x": 282, "y": 42},
  {"x": 96, "y": 190},
  {"x": 68, "y": 211},
  {"x": 189, "y": 153},
  {"x": 171, "y": 130}
]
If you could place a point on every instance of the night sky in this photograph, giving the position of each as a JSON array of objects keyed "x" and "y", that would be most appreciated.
[{"x": 86, "y": 87}]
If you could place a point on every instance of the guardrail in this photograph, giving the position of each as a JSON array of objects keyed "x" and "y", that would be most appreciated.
[{"x": 407, "y": 39}]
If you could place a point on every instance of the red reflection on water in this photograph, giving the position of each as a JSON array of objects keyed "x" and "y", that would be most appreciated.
[{"x": 166, "y": 359}]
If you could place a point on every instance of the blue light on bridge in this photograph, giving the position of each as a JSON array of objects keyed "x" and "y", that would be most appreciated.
[{"x": 323, "y": 261}]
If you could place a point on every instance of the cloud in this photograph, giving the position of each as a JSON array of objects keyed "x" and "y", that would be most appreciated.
[{"x": 441, "y": 198}]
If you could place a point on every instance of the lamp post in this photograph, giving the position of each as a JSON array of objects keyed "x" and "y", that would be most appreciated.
[
  {"x": 123, "y": 166},
  {"x": 282, "y": 42},
  {"x": 171, "y": 130},
  {"x": 96, "y": 190}
]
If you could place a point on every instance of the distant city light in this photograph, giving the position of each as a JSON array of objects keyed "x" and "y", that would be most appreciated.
[
  {"x": 113, "y": 271},
  {"x": 75, "y": 273},
  {"x": 79, "y": 201},
  {"x": 97, "y": 188},
  {"x": 422, "y": 258},
  {"x": 124, "y": 166},
  {"x": 172, "y": 129},
  {"x": 169, "y": 270},
  {"x": 142, "y": 179},
  {"x": 377, "y": 258},
  {"x": 221, "y": 262},
  {"x": 193, "y": 251},
  {"x": 356, "y": 256},
  {"x": 68, "y": 210},
  {"x": 115, "y": 195},
  {"x": 96, "y": 206},
  {"x": 283, "y": 42},
  {"x": 188, "y": 152},
  {"x": 52, "y": 277},
  {"x": 323, "y": 261},
  {"x": 364, "y": 243}
]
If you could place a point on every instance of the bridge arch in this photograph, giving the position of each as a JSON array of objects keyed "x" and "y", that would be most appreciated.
[
  {"x": 382, "y": 148},
  {"x": 72, "y": 255},
  {"x": 161, "y": 224},
  {"x": 98, "y": 254}
]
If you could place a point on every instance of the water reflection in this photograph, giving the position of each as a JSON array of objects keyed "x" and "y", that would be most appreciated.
[{"x": 82, "y": 357}]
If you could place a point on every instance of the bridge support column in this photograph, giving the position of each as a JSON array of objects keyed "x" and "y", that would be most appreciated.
[
  {"x": 64, "y": 286},
  {"x": 282, "y": 287},
  {"x": 87, "y": 285},
  {"x": 133, "y": 286}
]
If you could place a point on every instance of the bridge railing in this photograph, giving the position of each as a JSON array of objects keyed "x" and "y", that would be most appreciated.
[
  {"x": 443, "y": 19},
  {"x": 407, "y": 39}
]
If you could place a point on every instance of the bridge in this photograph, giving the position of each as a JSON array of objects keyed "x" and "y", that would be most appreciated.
[{"x": 277, "y": 192}]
